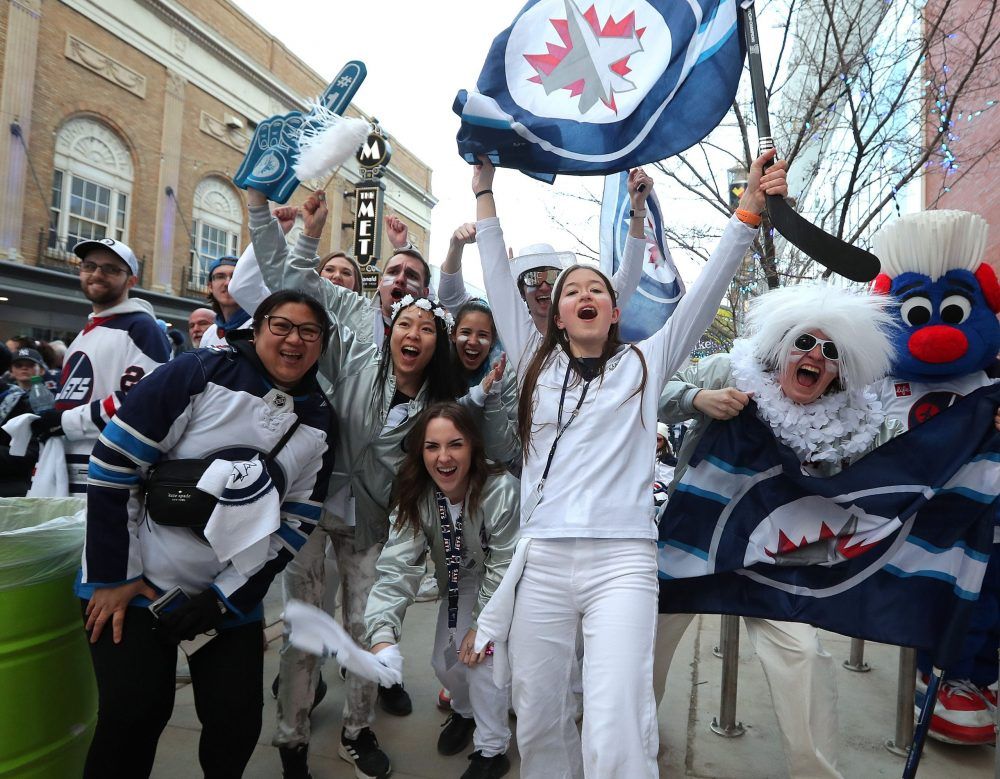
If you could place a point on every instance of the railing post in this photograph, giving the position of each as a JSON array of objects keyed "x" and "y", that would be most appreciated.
[
  {"x": 857, "y": 660},
  {"x": 729, "y": 642},
  {"x": 905, "y": 695}
]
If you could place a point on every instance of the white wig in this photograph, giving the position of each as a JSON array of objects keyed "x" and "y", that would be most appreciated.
[
  {"x": 857, "y": 323},
  {"x": 932, "y": 243}
]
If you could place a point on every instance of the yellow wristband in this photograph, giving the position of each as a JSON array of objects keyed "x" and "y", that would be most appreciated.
[{"x": 751, "y": 220}]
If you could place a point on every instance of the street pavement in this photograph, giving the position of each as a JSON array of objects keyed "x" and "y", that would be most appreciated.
[{"x": 688, "y": 747}]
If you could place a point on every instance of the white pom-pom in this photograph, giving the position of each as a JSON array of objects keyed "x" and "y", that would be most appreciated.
[{"x": 326, "y": 141}]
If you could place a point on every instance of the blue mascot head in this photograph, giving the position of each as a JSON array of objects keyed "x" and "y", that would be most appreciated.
[{"x": 945, "y": 298}]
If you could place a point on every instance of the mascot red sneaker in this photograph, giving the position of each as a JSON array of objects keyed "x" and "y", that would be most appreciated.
[{"x": 947, "y": 347}]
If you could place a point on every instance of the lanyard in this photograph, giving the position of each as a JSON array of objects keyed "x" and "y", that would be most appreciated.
[
  {"x": 452, "y": 556},
  {"x": 560, "y": 427}
]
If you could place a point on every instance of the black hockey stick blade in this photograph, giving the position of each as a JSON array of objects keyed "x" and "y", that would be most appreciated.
[
  {"x": 849, "y": 261},
  {"x": 829, "y": 250}
]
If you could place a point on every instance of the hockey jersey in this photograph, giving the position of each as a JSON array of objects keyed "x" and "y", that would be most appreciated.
[
  {"x": 204, "y": 404},
  {"x": 914, "y": 402},
  {"x": 113, "y": 352}
]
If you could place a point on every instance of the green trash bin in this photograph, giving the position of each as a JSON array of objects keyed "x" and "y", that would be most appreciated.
[{"x": 48, "y": 697}]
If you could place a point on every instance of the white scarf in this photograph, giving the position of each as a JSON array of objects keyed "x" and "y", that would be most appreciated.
[{"x": 835, "y": 427}]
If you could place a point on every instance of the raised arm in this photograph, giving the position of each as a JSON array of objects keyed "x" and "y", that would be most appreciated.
[
  {"x": 626, "y": 278},
  {"x": 296, "y": 269},
  {"x": 451, "y": 286},
  {"x": 517, "y": 331},
  {"x": 667, "y": 349}
]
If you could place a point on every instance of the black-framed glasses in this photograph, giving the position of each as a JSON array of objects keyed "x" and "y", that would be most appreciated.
[
  {"x": 535, "y": 278},
  {"x": 109, "y": 270},
  {"x": 807, "y": 342},
  {"x": 282, "y": 327}
]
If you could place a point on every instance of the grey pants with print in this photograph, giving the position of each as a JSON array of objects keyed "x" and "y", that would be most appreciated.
[{"x": 304, "y": 579}]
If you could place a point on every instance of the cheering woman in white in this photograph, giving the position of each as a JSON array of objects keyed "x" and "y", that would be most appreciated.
[{"x": 587, "y": 420}]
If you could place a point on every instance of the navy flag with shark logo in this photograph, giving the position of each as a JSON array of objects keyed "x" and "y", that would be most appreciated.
[
  {"x": 892, "y": 549},
  {"x": 593, "y": 87}
]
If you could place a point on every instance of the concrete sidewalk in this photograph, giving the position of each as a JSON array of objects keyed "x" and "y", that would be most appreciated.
[{"x": 687, "y": 746}]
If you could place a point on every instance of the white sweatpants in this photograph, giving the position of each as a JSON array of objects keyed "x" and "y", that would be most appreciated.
[
  {"x": 473, "y": 692},
  {"x": 800, "y": 676},
  {"x": 610, "y": 587}
]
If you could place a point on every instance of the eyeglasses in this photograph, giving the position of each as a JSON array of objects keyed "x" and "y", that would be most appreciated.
[
  {"x": 807, "y": 342},
  {"x": 220, "y": 277},
  {"x": 280, "y": 326},
  {"x": 535, "y": 278},
  {"x": 111, "y": 271}
]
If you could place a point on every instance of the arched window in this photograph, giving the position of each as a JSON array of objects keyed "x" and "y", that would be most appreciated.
[
  {"x": 91, "y": 185},
  {"x": 218, "y": 222}
]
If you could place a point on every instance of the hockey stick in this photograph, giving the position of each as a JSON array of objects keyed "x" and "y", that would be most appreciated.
[{"x": 839, "y": 256}]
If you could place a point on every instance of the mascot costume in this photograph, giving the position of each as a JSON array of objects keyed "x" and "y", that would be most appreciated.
[{"x": 946, "y": 301}]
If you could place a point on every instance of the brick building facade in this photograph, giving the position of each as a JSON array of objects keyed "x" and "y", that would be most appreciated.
[{"x": 127, "y": 118}]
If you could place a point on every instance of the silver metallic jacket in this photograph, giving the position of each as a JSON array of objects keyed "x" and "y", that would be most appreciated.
[{"x": 490, "y": 535}]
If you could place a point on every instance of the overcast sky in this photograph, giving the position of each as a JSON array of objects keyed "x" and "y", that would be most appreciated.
[{"x": 418, "y": 56}]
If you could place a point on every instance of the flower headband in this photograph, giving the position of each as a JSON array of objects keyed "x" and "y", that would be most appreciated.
[{"x": 426, "y": 305}]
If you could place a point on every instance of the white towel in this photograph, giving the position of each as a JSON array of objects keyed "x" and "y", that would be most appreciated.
[
  {"x": 314, "y": 631},
  {"x": 19, "y": 430},
  {"x": 51, "y": 478},
  {"x": 494, "y": 620},
  {"x": 247, "y": 513}
]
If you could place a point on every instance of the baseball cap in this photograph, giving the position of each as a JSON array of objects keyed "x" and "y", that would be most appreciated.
[
  {"x": 220, "y": 262},
  {"x": 83, "y": 248},
  {"x": 28, "y": 354}
]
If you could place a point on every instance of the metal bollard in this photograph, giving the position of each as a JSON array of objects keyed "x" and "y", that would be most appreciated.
[
  {"x": 857, "y": 659},
  {"x": 729, "y": 642},
  {"x": 900, "y": 744}
]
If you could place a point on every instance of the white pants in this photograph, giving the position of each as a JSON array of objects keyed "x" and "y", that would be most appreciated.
[
  {"x": 800, "y": 675},
  {"x": 473, "y": 692},
  {"x": 608, "y": 586}
]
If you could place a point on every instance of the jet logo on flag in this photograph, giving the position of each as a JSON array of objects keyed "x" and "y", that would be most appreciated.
[
  {"x": 601, "y": 88},
  {"x": 593, "y": 61}
]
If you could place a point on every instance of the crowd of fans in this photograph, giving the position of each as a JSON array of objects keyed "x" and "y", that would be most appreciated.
[{"x": 422, "y": 443}]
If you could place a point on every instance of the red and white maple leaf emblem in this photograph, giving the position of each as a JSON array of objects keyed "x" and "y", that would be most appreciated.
[{"x": 593, "y": 61}]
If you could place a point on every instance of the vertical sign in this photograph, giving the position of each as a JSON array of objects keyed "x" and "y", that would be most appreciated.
[{"x": 372, "y": 158}]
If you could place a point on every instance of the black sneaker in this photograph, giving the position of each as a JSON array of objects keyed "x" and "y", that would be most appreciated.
[
  {"x": 395, "y": 700},
  {"x": 486, "y": 767},
  {"x": 318, "y": 696},
  {"x": 369, "y": 761},
  {"x": 294, "y": 762},
  {"x": 456, "y": 733}
]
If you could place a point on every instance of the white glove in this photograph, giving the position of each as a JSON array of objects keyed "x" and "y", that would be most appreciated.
[{"x": 313, "y": 630}]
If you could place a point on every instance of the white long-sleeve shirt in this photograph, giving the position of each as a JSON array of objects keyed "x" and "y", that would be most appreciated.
[{"x": 599, "y": 482}]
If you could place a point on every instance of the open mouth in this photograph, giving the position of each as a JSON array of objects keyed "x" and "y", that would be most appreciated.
[
  {"x": 472, "y": 354},
  {"x": 447, "y": 472},
  {"x": 807, "y": 375},
  {"x": 290, "y": 356},
  {"x": 410, "y": 351},
  {"x": 542, "y": 299},
  {"x": 587, "y": 313},
  {"x": 397, "y": 293}
]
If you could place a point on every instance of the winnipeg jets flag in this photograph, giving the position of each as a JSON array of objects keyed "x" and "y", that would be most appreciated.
[
  {"x": 660, "y": 286},
  {"x": 892, "y": 549},
  {"x": 592, "y": 87}
]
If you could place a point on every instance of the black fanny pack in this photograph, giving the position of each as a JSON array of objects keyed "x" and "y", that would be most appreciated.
[{"x": 172, "y": 495}]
